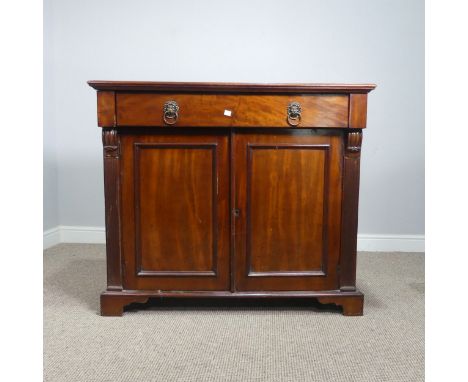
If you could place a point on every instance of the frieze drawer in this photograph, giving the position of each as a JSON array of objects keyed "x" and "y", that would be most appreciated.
[{"x": 213, "y": 110}]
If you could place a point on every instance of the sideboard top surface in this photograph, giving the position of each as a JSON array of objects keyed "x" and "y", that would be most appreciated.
[{"x": 220, "y": 87}]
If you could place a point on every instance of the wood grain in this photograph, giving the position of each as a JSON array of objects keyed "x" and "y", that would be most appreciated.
[
  {"x": 357, "y": 111},
  {"x": 106, "y": 109},
  {"x": 175, "y": 193},
  {"x": 175, "y": 201},
  {"x": 350, "y": 203},
  {"x": 113, "y": 303},
  {"x": 208, "y": 110},
  {"x": 239, "y": 206},
  {"x": 111, "y": 157},
  {"x": 226, "y": 87},
  {"x": 286, "y": 197},
  {"x": 288, "y": 193}
]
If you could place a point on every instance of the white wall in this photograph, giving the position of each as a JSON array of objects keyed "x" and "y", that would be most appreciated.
[{"x": 380, "y": 41}]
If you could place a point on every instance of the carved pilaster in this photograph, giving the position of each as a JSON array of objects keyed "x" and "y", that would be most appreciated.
[
  {"x": 111, "y": 145},
  {"x": 349, "y": 212},
  {"x": 354, "y": 141},
  {"x": 110, "y": 142}
]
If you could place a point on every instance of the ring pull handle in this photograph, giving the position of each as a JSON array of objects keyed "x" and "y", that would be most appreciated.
[
  {"x": 170, "y": 112},
  {"x": 294, "y": 113}
]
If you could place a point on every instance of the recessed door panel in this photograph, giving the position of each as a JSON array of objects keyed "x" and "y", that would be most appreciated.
[
  {"x": 176, "y": 207},
  {"x": 287, "y": 198}
]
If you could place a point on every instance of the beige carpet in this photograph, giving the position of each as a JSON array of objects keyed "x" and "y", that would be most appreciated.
[{"x": 232, "y": 341}]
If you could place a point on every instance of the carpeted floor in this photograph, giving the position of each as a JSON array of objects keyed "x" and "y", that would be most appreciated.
[{"x": 233, "y": 341}]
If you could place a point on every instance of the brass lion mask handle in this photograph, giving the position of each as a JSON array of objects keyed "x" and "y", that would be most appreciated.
[
  {"x": 294, "y": 113},
  {"x": 171, "y": 112}
]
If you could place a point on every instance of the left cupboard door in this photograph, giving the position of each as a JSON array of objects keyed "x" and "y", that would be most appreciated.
[{"x": 175, "y": 211}]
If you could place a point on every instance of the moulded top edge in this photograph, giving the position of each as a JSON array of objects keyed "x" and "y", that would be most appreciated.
[{"x": 225, "y": 87}]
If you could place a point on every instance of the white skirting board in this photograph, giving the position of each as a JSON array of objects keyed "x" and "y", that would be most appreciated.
[
  {"x": 390, "y": 243},
  {"x": 366, "y": 242},
  {"x": 51, "y": 237}
]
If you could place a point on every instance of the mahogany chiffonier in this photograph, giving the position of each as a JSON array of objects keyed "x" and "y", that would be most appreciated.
[{"x": 231, "y": 190}]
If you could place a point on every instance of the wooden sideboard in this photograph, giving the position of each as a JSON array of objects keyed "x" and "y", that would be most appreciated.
[{"x": 231, "y": 190}]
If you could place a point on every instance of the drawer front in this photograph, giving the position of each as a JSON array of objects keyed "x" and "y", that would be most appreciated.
[{"x": 211, "y": 110}]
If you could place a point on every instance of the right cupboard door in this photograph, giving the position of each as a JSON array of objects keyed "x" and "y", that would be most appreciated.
[{"x": 286, "y": 209}]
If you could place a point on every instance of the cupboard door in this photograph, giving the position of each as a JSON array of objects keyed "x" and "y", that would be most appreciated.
[
  {"x": 175, "y": 211},
  {"x": 287, "y": 208}
]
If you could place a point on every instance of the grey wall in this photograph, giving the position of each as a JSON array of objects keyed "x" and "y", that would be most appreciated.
[
  {"x": 50, "y": 159},
  {"x": 379, "y": 41}
]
